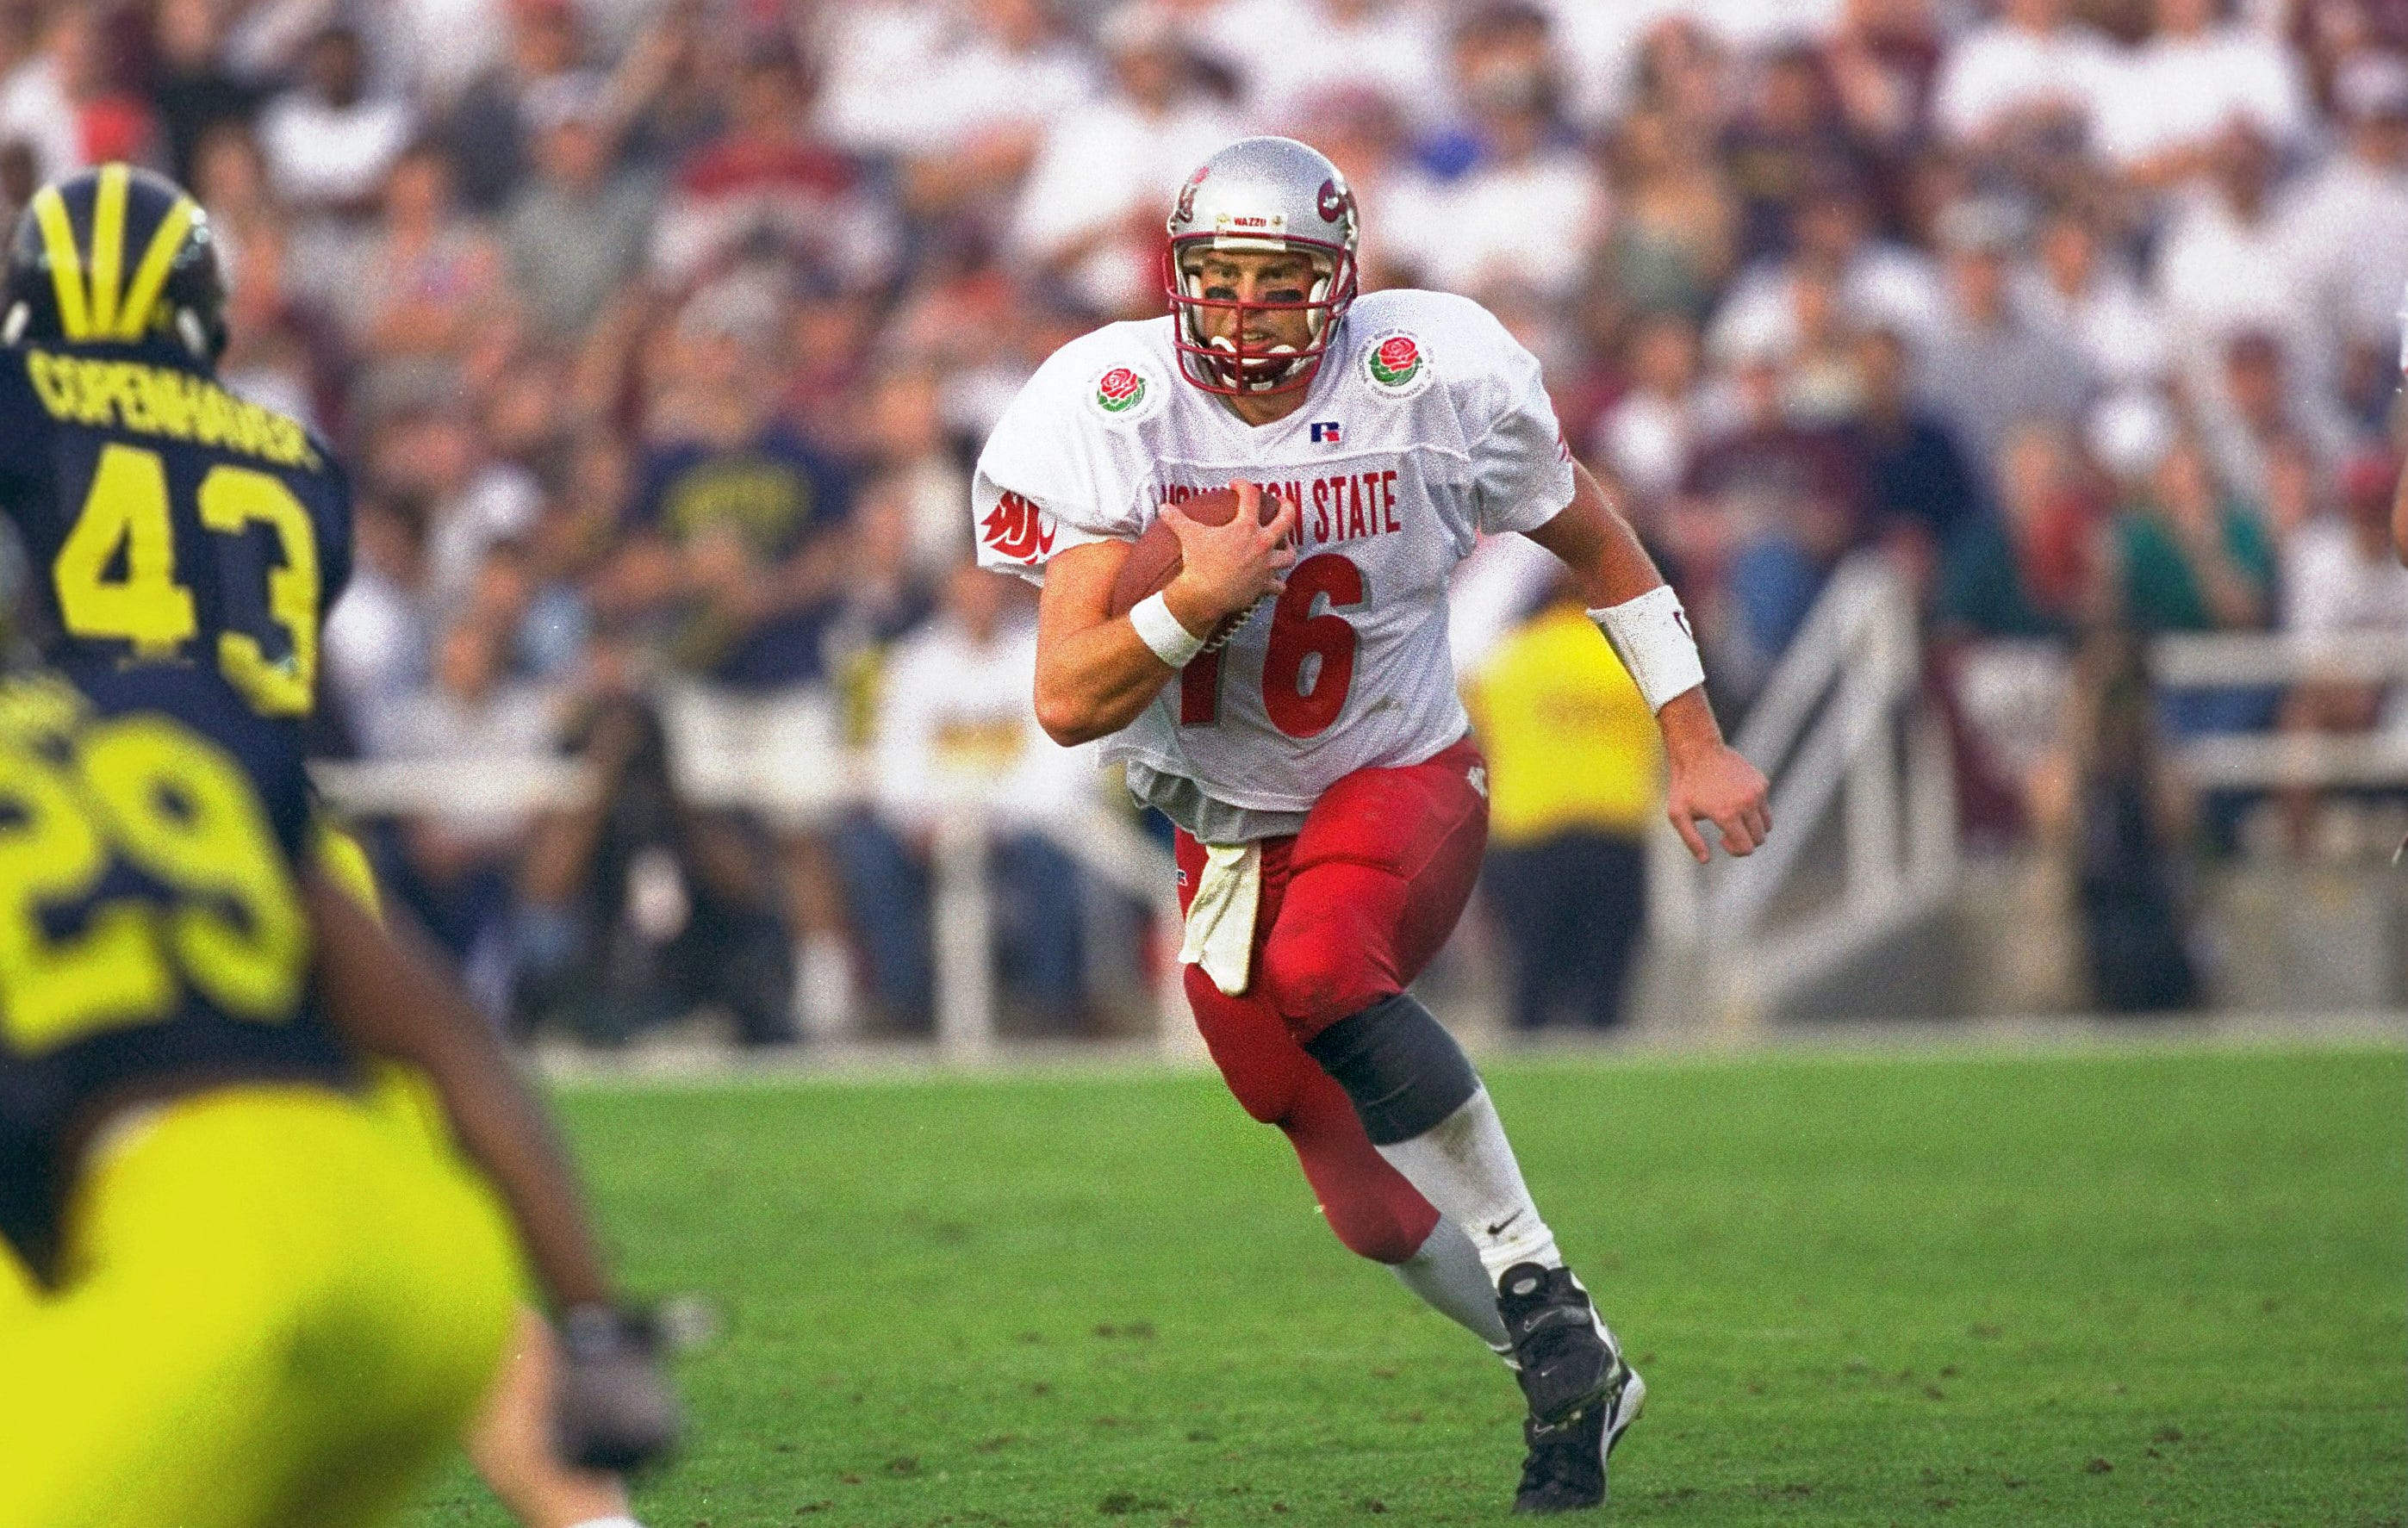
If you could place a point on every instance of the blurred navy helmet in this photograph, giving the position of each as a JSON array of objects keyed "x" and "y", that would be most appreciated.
[{"x": 115, "y": 255}]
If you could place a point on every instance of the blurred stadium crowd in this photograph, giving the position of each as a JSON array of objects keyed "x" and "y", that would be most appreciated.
[{"x": 660, "y": 334}]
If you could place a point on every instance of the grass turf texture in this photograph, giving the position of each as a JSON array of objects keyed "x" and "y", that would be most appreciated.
[{"x": 2160, "y": 1286}]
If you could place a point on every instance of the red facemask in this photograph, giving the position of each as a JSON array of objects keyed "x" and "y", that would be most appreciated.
[{"x": 1230, "y": 367}]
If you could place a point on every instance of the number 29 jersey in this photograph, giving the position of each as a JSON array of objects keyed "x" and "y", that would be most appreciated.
[
  {"x": 150, "y": 924},
  {"x": 1427, "y": 426},
  {"x": 167, "y": 521}
]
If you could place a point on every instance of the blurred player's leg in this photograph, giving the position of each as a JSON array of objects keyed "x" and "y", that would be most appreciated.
[{"x": 146, "y": 1391}]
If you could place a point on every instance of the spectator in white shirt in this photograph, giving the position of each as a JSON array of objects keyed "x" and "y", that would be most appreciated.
[
  {"x": 2192, "y": 78},
  {"x": 329, "y": 143},
  {"x": 2254, "y": 412},
  {"x": 2341, "y": 584},
  {"x": 1988, "y": 368},
  {"x": 978, "y": 81},
  {"x": 2225, "y": 265},
  {"x": 2080, "y": 289},
  {"x": 1647, "y": 438},
  {"x": 2029, "y": 76},
  {"x": 2347, "y": 221},
  {"x": 1091, "y": 208},
  {"x": 954, "y": 725},
  {"x": 1882, "y": 284},
  {"x": 1530, "y": 209},
  {"x": 1290, "y": 55}
]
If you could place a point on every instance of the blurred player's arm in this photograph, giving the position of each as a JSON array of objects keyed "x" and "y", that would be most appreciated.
[
  {"x": 1094, "y": 674},
  {"x": 615, "y": 1411},
  {"x": 386, "y": 996},
  {"x": 1709, "y": 782}
]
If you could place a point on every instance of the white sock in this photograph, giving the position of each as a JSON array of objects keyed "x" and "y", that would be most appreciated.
[
  {"x": 1447, "y": 1274},
  {"x": 621, "y": 1522},
  {"x": 1465, "y": 1167}
]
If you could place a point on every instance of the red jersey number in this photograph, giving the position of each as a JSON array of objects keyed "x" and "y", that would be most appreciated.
[{"x": 1301, "y": 704}]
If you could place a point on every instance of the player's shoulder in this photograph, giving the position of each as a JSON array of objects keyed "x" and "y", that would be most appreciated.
[
  {"x": 1404, "y": 341},
  {"x": 1112, "y": 377}
]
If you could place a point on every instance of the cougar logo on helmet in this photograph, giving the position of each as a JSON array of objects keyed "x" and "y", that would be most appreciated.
[
  {"x": 1335, "y": 201},
  {"x": 1185, "y": 212}
]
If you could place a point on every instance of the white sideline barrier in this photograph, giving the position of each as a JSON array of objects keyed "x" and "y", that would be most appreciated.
[
  {"x": 809, "y": 792},
  {"x": 2274, "y": 660}
]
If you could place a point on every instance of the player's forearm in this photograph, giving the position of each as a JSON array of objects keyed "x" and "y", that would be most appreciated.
[
  {"x": 386, "y": 998},
  {"x": 1094, "y": 682}
]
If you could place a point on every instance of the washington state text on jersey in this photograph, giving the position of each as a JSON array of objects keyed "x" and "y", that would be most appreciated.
[{"x": 1350, "y": 506}]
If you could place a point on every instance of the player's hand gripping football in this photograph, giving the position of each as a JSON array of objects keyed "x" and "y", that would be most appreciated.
[
  {"x": 614, "y": 1410},
  {"x": 1710, "y": 782},
  {"x": 1226, "y": 569}
]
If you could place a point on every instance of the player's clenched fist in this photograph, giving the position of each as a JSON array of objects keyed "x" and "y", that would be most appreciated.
[{"x": 1226, "y": 568}]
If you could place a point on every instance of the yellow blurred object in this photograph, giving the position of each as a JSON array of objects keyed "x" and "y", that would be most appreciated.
[
  {"x": 1570, "y": 741},
  {"x": 274, "y": 1310}
]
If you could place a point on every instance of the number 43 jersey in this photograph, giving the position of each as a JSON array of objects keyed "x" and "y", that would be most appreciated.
[
  {"x": 167, "y": 521},
  {"x": 1425, "y": 426}
]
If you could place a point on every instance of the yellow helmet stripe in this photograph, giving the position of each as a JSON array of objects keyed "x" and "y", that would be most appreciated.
[
  {"x": 107, "y": 247},
  {"x": 151, "y": 275},
  {"x": 67, "y": 270}
]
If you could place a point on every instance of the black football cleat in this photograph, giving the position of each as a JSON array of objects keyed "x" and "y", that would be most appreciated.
[
  {"x": 1565, "y": 1469},
  {"x": 1562, "y": 1355}
]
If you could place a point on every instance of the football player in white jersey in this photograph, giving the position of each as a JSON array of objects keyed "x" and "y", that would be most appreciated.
[{"x": 1331, "y": 805}]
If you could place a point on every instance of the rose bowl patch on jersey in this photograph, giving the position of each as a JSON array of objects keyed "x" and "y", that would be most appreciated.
[
  {"x": 1124, "y": 392},
  {"x": 1395, "y": 365}
]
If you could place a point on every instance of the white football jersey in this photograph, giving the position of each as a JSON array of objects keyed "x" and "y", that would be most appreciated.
[{"x": 1425, "y": 426}]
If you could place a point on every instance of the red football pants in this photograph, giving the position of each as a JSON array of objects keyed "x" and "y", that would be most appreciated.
[{"x": 1352, "y": 908}]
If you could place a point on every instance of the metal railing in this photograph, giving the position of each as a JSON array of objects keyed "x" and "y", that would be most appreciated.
[
  {"x": 1844, "y": 734},
  {"x": 2271, "y": 660}
]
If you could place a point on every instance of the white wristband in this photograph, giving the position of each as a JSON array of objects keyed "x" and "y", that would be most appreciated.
[
  {"x": 1651, "y": 635},
  {"x": 1158, "y": 629}
]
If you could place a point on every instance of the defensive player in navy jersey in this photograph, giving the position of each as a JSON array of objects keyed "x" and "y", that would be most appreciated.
[
  {"x": 256, "y": 1302},
  {"x": 169, "y": 521}
]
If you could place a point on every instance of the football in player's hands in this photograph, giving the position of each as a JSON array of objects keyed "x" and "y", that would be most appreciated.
[
  {"x": 613, "y": 1409},
  {"x": 1155, "y": 560}
]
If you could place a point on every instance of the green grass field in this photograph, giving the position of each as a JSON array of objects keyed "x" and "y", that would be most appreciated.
[{"x": 2154, "y": 1286}]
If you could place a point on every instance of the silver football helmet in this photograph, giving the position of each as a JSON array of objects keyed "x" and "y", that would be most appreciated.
[{"x": 1264, "y": 195}]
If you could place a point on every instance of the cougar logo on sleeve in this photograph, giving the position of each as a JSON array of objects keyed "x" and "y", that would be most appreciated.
[{"x": 1017, "y": 529}]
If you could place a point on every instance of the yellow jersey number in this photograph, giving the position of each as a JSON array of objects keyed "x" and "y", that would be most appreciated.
[
  {"x": 182, "y": 812},
  {"x": 127, "y": 510}
]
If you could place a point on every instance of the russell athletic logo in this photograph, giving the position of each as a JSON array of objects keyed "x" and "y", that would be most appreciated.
[
  {"x": 1119, "y": 389},
  {"x": 1017, "y": 530},
  {"x": 1324, "y": 431}
]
